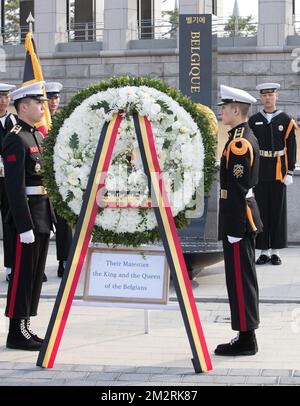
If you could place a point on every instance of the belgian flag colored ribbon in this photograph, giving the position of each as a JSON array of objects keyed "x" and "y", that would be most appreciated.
[
  {"x": 85, "y": 224},
  {"x": 80, "y": 243},
  {"x": 201, "y": 359}
]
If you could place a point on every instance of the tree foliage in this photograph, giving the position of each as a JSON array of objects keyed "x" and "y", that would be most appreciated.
[
  {"x": 240, "y": 26},
  {"x": 12, "y": 20}
]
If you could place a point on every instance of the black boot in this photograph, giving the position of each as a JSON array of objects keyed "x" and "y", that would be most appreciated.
[
  {"x": 61, "y": 269},
  {"x": 263, "y": 260},
  {"x": 244, "y": 344},
  {"x": 18, "y": 337},
  {"x": 33, "y": 335},
  {"x": 275, "y": 260},
  {"x": 45, "y": 279}
]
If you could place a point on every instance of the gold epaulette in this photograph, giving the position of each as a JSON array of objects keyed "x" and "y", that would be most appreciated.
[
  {"x": 244, "y": 147},
  {"x": 16, "y": 129},
  {"x": 239, "y": 132}
]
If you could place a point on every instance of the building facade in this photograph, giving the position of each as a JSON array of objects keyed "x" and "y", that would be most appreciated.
[{"x": 83, "y": 41}]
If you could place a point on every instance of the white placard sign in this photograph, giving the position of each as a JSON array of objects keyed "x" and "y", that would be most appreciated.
[{"x": 125, "y": 275}]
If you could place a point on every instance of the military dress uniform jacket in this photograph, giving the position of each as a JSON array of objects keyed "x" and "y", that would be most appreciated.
[
  {"x": 277, "y": 144},
  {"x": 239, "y": 168},
  {"x": 10, "y": 121},
  {"x": 23, "y": 163},
  {"x": 239, "y": 217}
]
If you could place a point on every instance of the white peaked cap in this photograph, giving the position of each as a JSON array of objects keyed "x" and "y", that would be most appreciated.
[
  {"x": 268, "y": 87},
  {"x": 53, "y": 87},
  {"x": 5, "y": 88},
  {"x": 34, "y": 91},
  {"x": 233, "y": 95}
]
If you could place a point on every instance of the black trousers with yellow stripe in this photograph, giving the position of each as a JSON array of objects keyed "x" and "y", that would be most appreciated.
[
  {"x": 241, "y": 281},
  {"x": 25, "y": 284},
  {"x": 271, "y": 200}
]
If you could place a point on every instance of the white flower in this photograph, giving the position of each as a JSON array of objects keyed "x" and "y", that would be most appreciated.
[
  {"x": 177, "y": 151},
  {"x": 155, "y": 109},
  {"x": 176, "y": 125},
  {"x": 73, "y": 178}
]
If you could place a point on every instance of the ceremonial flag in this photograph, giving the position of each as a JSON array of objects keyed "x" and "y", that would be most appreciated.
[{"x": 33, "y": 73}]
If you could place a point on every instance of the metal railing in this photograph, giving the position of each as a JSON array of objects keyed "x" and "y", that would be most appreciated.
[
  {"x": 13, "y": 37},
  {"x": 228, "y": 27},
  {"x": 90, "y": 31},
  {"x": 156, "y": 29},
  {"x": 75, "y": 32},
  {"x": 296, "y": 22},
  {"x": 145, "y": 29},
  {"x": 164, "y": 29}
]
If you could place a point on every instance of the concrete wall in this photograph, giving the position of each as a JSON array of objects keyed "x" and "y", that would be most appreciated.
[
  {"x": 241, "y": 67},
  {"x": 77, "y": 70},
  {"x": 246, "y": 67}
]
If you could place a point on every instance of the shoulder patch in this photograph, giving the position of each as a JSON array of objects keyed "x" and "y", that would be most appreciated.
[
  {"x": 238, "y": 171},
  {"x": 16, "y": 129},
  {"x": 240, "y": 147}
]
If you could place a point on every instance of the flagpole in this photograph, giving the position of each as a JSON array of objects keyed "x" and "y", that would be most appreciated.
[
  {"x": 30, "y": 20},
  {"x": 33, "y": 73}
]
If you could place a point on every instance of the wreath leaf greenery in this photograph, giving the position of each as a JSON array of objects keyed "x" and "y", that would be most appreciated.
[{"x": 61, "y": 206}]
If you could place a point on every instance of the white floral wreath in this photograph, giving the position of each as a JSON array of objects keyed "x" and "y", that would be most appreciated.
[{"x": 178, "y": 144}]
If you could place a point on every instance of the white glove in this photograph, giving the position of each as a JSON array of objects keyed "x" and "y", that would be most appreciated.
[
  {"x": 52, "y": 232},
  {"x": 27, "y": 237},
  {"x": 288, "y": 180},
  {"x": 232, "y": 240}
]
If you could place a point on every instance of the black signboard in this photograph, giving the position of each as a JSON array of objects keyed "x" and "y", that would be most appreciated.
[{"x": 198, "y": 57}]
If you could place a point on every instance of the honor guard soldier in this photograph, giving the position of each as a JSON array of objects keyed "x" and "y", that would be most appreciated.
[
  {"x": 63, "y": 230},
  {"x": 31, "y": 216},
  {"x": 239, "y": 220},
  {"x": 275, "y": 132},
  {"x": 7, "y": 121}
]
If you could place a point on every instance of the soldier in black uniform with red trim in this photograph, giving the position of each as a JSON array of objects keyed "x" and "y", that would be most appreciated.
[
  {"x": 275, "y": 132},
  {"x": 7, "y": 121},
  {"x": 63, "y": 230},
  {"x": 31, "y": 216},
  {"x": 239, "y": 221}
]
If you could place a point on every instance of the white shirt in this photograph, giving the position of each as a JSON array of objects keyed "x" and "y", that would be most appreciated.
[
  {"x": 269, "y": 116},
  {"x": 3, "y": 119}
]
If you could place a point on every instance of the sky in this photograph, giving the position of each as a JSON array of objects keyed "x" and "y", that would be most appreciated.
[{"x": 246, "y": 7}]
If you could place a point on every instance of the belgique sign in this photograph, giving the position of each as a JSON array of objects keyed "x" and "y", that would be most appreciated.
[{"x": 198, "y": 57}]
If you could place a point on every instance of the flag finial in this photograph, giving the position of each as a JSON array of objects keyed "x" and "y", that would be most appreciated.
[{"x": 30, "y": 20}]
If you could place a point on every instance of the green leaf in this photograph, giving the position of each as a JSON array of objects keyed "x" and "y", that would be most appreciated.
[
  {"x": 74, "y": 141},
  {"x": 70, "y": 196},
  {"x": 169, "y": 129},
  {"x": 48, "y": 173},
  {"x": 164, "y": 107},
  {"x": 104, "y": 104},
  {"x": 167, "y": 144}
]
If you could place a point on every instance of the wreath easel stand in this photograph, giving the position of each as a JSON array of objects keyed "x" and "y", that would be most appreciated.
[{"x": 201, "y": 359}]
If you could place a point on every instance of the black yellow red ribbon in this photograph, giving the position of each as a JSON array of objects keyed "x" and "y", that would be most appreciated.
[
  {"x": 164, "y": 217},
  {"x": 80, "y": 243},
  {"x": 201, "y": 358}
]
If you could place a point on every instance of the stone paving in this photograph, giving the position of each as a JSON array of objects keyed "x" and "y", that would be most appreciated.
[{"x": 108, "y": 346}]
